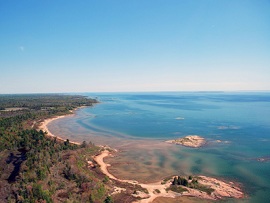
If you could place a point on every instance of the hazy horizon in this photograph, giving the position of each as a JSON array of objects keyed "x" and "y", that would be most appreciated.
[
  {"x": 134, "y": 46},
  {"x": 142, "y": 92}
]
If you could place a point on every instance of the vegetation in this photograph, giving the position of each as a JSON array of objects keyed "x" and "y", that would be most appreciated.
[
  {"x": 176, "y": 188},
  {"x": 36, "y": 168},
  {"x": 165, "y": 180},
  {"x": 45, "y": 102},
  {"x": 180, "y": 181},
  {"x": 190, "y": 182},
  {"x": 195, "y": 185}
]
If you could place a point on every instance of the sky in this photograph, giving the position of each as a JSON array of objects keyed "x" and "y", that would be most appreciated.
[{"x": 134, "y": 46}]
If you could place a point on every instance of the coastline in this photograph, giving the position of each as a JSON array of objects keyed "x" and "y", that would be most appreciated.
[
  {"x": 222, "y": 189},
  {"x": 44, "y": 127}
]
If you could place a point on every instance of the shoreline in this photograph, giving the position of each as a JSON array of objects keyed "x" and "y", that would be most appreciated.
[
  {"x": 151, "y": 187},
  {"x": 43, "y": 125},
  {"x": 222, "y": 189}
]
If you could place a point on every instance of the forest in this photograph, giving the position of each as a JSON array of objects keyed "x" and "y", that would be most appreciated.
[{"x": 37, "y": 168}]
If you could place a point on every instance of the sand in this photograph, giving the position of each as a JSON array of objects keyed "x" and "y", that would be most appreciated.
[
  {"x": 184, "y": 199},
  {"x": 44, "y": 127}
]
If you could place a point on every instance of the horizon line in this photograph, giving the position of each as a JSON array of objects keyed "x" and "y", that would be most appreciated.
[{"x": 122, "y": 92}]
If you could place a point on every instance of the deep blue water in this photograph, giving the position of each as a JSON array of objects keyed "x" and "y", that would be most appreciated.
[{"x": 240, "y": 120}]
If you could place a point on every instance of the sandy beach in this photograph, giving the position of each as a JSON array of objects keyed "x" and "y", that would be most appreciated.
[{"x": 44, "y": 127}]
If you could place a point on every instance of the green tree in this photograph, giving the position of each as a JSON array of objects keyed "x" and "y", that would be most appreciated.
[
  {"x": 66, "y": 142},
  {"x": 175, "y": 181},
  {"x": 108, "y": 199},
  {"x": 84, "y": 144}
]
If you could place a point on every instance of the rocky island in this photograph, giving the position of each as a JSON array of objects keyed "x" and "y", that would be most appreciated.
[{"x": 189, "y": 141}]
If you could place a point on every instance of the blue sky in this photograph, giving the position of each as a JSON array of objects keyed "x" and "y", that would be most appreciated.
[{"x": 135, "y": 45}]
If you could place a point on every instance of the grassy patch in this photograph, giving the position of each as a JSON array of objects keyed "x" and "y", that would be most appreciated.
[
  {"x": 196, "y": 185},
  {"x": 142, "y": 189},
  {"x": 176, "y": 188},
  {"x": 201, "y": 187},
  {"x": 165, "y": 180}
]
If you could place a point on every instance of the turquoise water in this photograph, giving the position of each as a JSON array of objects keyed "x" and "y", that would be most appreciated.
[{"x": 138, "y": 124}]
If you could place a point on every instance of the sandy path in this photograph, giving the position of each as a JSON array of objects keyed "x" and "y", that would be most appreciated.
[
  {"x": 103, "y": 166},
  {"x": 152, "y": 188}
]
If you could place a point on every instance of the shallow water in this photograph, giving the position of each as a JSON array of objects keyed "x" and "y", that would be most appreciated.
[{"x": 138, "y": 124}]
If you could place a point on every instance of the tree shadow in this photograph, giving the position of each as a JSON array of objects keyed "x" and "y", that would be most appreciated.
[{"x": 16, "y": 161}]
